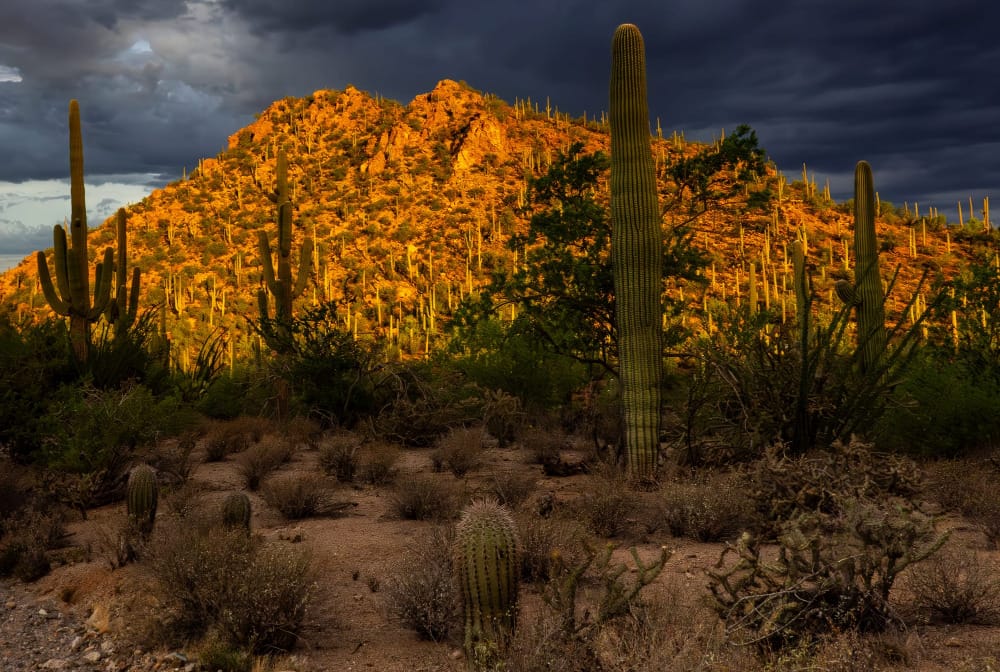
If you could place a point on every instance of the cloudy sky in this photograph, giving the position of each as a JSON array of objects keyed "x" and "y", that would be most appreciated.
[{"x": 909, "y": 86}]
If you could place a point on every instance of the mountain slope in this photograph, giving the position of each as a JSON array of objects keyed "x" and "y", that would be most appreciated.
[{"x": 411, "y": 207}]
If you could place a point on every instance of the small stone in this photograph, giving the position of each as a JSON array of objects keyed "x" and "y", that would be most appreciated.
[
  {"x": 456, "y": 654},
  {"x": 43, "y": 613},
  {"x": 952, "y": 642},
  {"x": 92, "y": 656},
  {"x": 10, "y": 604},
  {"x": 77, "y": 643},
  {"x": 55, "y": 664},
  {"x": 107, "y": 647}
]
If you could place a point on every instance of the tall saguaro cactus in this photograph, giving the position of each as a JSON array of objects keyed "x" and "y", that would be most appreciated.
[
  {"x": 122, "y": 310},
  {"x": 636, "y": 252},
  {"x": 70, "y": 295},
  {"x": 278, "y": 282},
  {"x": 866, "y": 294}
]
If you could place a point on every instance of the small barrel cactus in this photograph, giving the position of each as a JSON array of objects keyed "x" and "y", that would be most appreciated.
[
  {"x": 236, "y": 511},
  {"x": 141, "y": 497},
  {"x": 487, "y": 561}
]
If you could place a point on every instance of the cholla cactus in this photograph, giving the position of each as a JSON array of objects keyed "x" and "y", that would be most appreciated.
[
  {"x": 487, "y": 561},
  {"x": 141, "y": 497}
]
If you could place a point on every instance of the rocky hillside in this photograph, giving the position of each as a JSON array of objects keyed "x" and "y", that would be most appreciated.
[{"x": 411, "y": 207}]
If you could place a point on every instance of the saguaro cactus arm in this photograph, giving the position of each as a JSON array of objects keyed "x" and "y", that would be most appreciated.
[{"x": 636, "y": 252}]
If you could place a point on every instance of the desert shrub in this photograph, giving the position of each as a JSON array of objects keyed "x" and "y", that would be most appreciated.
[
  {"x": 30, "y": 534},
  {"x": 510, "y": 488},
  {"x": 949, "y": 410},
  {"x": 92, "y": 436},
  {"x": 378, "y": 463},
  {"x": 956, "y": 586},
  {"x": 303, "y": 432},
  {"x": 258, "y": 461},
  {"x": 461, "y": 450},
  {"x": 422, "y": 592},
  {"x": 338, "y": 455},
  {"x": 232, "y": 394},
  {"x": 233, "y": 436},
  {"x": 606, "y": 505},
  {"x": 426, "y": 498},
  {"x": 544, "y": 445},
  {"x": 332, "y": 373},
  {"x": 708, "y": 509},
  {"x": 297, "y": 496},
  {"x": 426, "y": 401},
  {"x": 832, "y": 573},
  {"x": 231, "y": 585},
  {"x": 542, "y": 538},
  {"x": 502, "y": 416}
]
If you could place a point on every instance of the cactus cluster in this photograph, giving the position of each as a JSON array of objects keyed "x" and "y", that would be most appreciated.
[
  {"x": 236, "y": 511},
  {"x": 141, "y": 497},
  {"x": 636, "y": 253},
  {"x": 487, "y": 561}
]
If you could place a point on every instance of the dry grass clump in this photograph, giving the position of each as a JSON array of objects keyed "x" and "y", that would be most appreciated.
[
  {"x": 956, "y": 586},
  {"x": 233, "y": 587},
  {"x": 542, "y": 538},
  {"x": 606, "y": 505},
  {"x": 233, "y": 436},
  {"x": 708, "y": 509},
  {"x": 378, "y": 463},
  {"x": 261, "y": 459},
  {"x": 509, "y": 487},
  {"x": 339, "y": 456},
  {"x": 461, "y": 450},
  {"x": 427, "y": 498},
  {"x": 422, "y": 592},
  {"x": 544, "y": 445},
  {"x": 968, "y": 487},
  {"x": 298, "y": 497},
  {"x": 302, "y": 432}
]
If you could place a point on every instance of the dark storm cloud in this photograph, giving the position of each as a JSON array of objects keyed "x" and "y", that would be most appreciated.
[
  {"x": 906, "y": 86},
  {"x": 348, "y": 17}
]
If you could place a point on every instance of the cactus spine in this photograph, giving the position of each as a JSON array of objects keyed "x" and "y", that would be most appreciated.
[
  {"x": 636, "y": 253},
  {"x": 488, "y": 565},
  {"x": 236, "y": 511},
  {"x": 122, "y": 310},
  {"x": 70, "y": 295},
  {"x": 866, "y": 295},
  {"x": 279, "y": 283},
  {"x": 140, "y": 498}
]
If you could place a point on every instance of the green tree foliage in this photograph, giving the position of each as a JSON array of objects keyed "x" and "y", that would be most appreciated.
[{"x": 562, "y": 289}]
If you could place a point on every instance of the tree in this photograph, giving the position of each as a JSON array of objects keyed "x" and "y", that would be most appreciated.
[{"x": 561, "y": 289}]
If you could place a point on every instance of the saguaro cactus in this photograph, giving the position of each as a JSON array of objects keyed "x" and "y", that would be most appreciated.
[
  {"x": 70, "y": 296},
  {"x": 141, "y": 497},
  {"x": 280, "y": 283},
  {"x": 866, "y": 294},
  {"x": 488, "y": 567},
  {"x": 636, "y": 253},
  {"x": 122, "y": 310}
]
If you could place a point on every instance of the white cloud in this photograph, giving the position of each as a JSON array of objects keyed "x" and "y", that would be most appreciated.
[
  {"x": 9, "y": 74},
  {"x": 29, "y": 210}
]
